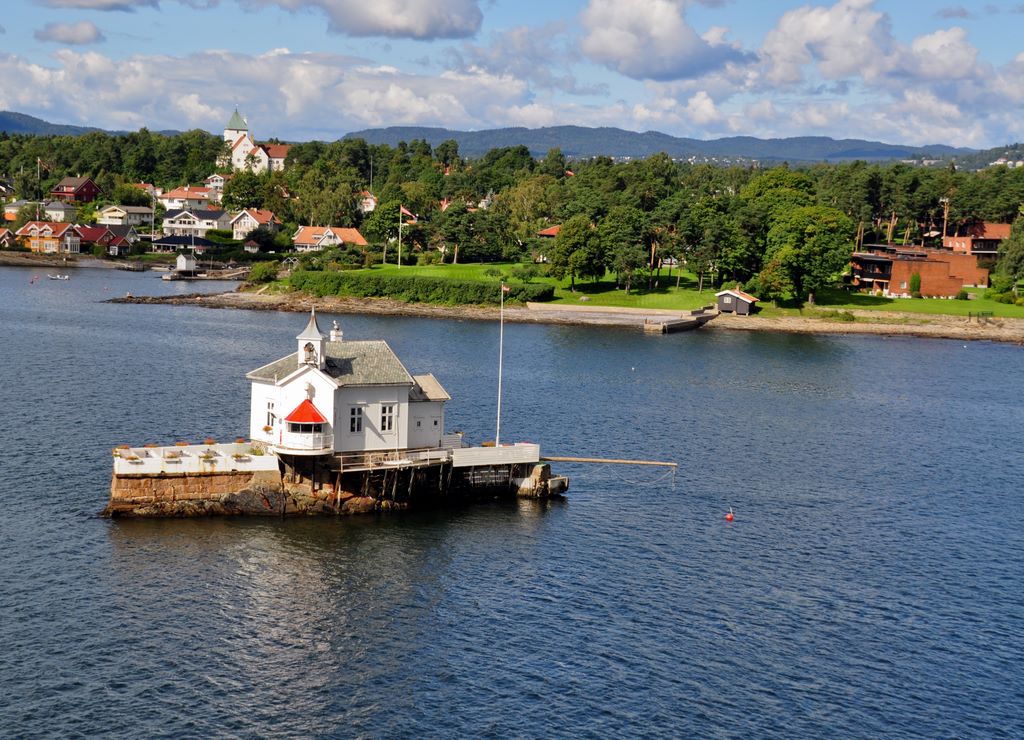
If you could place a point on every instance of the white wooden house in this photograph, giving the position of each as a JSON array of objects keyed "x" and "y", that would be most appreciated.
[
  {"x": 215, "y": 186},
  {"x": 189, "y": 196},
  {"x": 186, "y": 263},
  {"x": 125, "y": 216},
  {"x": 194, "y": 222},
  {"x": 245, "y": 222},
  {"x": 336, "y": 396},
  {"x": 57, "y": 210},
  {"x": 318, "y": 238},
  {"x": 367, "y": 202}
]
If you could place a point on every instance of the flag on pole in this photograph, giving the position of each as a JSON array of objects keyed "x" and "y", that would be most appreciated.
[
  {"x": 505, "y": 288},
  {"x": 406, "y": 212}
]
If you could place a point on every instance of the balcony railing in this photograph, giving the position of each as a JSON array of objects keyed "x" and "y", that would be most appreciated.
[{"x": 300, "y": 441}]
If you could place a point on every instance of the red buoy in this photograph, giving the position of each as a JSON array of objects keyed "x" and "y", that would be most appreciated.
[{"x": 728, "y": 517}]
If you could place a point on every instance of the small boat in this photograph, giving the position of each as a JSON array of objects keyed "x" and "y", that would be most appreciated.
[{"x": 59, "y": 277}]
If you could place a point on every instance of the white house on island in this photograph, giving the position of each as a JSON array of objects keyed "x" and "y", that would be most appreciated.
[{"x": 335, "y": 396}]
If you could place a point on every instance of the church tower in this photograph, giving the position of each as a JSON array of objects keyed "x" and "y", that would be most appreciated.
[{"x": 236, "y": 127}]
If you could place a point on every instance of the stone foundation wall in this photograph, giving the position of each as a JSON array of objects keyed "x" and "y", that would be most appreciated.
[
  {"x": 195, "y": 494},
  {"x": 306, "y": 488}
]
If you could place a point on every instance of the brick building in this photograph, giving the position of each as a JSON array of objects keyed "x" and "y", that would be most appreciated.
[{"x": 889, "y": 270}]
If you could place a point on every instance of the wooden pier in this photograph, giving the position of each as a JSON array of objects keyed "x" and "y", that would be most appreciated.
[
  {"x": 671, "y": 325},
  {"x": 608, "y": 461}
]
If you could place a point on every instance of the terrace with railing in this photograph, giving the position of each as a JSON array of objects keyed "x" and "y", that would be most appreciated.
[
  {"x": 205, "y": 458},
  {"x": 253, "y": 457}
]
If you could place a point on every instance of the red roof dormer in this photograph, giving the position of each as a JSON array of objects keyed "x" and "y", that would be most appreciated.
[{"x": 306, "y": 413}]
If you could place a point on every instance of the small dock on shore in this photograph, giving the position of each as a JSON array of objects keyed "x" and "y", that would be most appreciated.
[{"x": 670, "y": 325}]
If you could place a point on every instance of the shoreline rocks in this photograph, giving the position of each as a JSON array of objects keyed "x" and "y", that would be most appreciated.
[{"x": 868, "y": 322}]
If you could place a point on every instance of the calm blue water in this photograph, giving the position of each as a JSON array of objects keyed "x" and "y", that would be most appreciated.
[{"x": 870, "y": 584}]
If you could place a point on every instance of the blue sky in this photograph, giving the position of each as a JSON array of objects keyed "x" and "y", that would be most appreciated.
[{"x": 895, "y": 70}]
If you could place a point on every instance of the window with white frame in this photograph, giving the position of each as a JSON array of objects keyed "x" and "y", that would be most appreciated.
[
  {"x": 305, "y": 428},
  {"x": 355, "y": 419},
  {"x": 387, "y": 417},
  {"x": 271, "y": 414}
]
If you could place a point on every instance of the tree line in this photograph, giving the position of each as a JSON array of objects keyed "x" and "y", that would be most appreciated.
[{"x": 781, "y": 230}]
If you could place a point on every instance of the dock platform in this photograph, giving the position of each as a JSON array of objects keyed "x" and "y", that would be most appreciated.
[{"x": 670, "y": 325}]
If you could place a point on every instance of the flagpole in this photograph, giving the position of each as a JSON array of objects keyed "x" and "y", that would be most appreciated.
[
  {"x": 399, "y": 237},
  {"x": 501, "y": 353}
]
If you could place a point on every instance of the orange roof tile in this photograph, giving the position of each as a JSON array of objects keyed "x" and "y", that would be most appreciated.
[
  {"x": 58, "y": 228},
  {"x": 314, "y": 235},
  {"x": 189, "y": 191},
  {"x": 260, "y": 215},
  {"x": 276, "y": 151},
  {"x": 350, "y": 236}
]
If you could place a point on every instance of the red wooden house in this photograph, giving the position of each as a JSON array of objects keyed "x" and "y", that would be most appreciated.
[{"x": 75, "y": 190}]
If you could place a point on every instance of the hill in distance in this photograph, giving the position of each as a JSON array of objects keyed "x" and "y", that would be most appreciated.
[
  {"x": 583, "y": 142},
  {"x": 21, "y": 123}
]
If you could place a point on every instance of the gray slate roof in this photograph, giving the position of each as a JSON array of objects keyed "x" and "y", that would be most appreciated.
[{"x": 348, "y": 363}]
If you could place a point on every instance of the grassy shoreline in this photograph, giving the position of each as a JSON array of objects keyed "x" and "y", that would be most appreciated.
[
  {"x": 665, "y": 295},
  {"x": 928, "y": 326}
]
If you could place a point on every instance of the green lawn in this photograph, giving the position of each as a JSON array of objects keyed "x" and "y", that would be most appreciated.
[
  {"x": 602, "y": 293},
  {"x": 842, "y": 300},
  {"x": 665, "y": 295},
  {"x": 455, "y": 272}
]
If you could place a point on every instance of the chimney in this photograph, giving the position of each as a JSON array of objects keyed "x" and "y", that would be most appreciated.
[{"x": 335, "y": 332}]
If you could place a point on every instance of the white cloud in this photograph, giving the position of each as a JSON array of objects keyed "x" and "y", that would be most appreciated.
[
  {"x": 531, "y": 115},
  {"x": 83, "y": 32},
  {"x": 762, "y": 110},
  {"x": 543, "y": 55},
  {"x": 944, "y": 55},
  {"x": 820, "y": 118},
  {"x": 396, "y": 18},
  {"x": 324, "y": 95},
  {"x": 848, "y": 38},
  {"x": 650, "y": 39},
  {"x": 701, "y": 109}
]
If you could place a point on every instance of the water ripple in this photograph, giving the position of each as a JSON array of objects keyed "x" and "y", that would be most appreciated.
[{"x": 868, "y": 587}]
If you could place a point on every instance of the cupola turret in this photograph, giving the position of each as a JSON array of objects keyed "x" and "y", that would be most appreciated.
[{"x": 311, "y": 343}]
